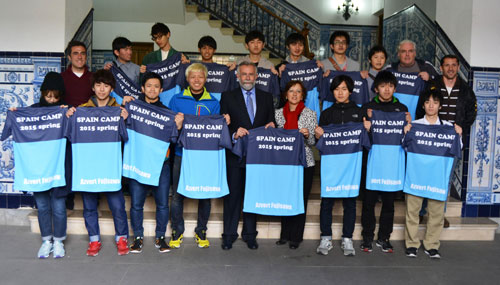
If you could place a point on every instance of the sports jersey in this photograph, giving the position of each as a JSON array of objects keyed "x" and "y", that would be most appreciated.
[
  {"x": 95, "y": 135},
  {"x": 386, "y": 161},
  {"x": 310, "y": 75},
  {"x": 39, "y": 147},
  {"x": 219, "y": 79},
  {"x": 430, "y": 152},
  {"x": 203, "y": 167},
  {"x": 410, "y": 85},
  {"x": 168, "y": 70},
  {"x": 275, "y": 161},
  {"x": 150, "y": 130},
  {"x": 360, "y": 94},
  {"x": 124, "y": 86},
  {"x": 341, "y": 148}
]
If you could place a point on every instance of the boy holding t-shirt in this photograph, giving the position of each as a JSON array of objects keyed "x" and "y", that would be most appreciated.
[
  {"x": 151, "y": 88},
  {"x": 385, "y": 85},
  {"x": 415, "y": 195},
  {"x": 103, "y": 83}
]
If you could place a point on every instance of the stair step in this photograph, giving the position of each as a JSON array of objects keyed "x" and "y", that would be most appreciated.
[
  {"x": 191, "y": 8},
  {"x": 269, "y": 227},
  {"x": 454, "y": 207},
  {"x": 215, "y": 23},
  {"x": 239, "y": 39},
  {"x": 227, "y": 31},
  {"x": 203, "y": 15}
]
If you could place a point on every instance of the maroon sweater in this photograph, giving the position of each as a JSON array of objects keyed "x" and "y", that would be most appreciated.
[{"x": 78, "y": 89}]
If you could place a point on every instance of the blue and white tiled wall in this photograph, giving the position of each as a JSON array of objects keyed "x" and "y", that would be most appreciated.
[
  {"x": 21, "y": 75},
  {"x": 483, "y": 183}
]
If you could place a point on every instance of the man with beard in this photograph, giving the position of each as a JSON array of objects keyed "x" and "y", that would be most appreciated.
[
  {"x": 248, "y": 108},
  {"x": 459, "y": 104}
]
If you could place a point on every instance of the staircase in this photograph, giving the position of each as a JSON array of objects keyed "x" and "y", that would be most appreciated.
[
  {"x": 269, "y": 227},
  {"x": 238, "y": 17}
]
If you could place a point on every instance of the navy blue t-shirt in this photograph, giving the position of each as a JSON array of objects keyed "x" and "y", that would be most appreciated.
[
  {"x": 341, "y": 148},
  {"x": 219, "y": 79},
  {"x": 360, "y": 94},
  {"x": 39, "y": 147},
  {"x": 430, "y": 153},
  {"x": 410, "y": 85},
  {"x": 275, "y": 161},
  {"x": 96, "y": 135},
  {"x": 203, "y": 168},
  {"x": 168, "y": 69},
  {"x": 150, "y": 130},
  {"x": 124, "y": 86}
]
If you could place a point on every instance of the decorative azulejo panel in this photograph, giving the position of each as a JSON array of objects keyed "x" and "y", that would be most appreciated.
[
  {"x": 483, "y": 185},
  {"x": 412, "y": 24},
  {"x": 100, "y": 57},
  {"x": 20, "y": 78}
]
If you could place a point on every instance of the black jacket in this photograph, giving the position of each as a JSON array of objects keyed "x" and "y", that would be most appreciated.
[
  {"x": 340, "y": 113},
  {"x": 423, "y": 66},
  {"x": 393, "y": 106},
  {"x": 466, "y": 103}
]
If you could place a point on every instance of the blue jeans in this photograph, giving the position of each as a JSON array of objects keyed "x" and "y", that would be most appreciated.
[
  {"x": 138, "y": 193},
  {"x": 51, "y": 215},
  {"x": 177, "y": 206},
  {"x": 325, "y": 216},
  {"x": 116, "y": 204}
]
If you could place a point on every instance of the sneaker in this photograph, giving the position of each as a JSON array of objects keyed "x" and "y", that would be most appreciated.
[
  {"x": 347, "y": 247},
  {"x": 325, "y": 245},
  {"x": 201, "y": 239},
  {"x": 433, "y": 253},
  {"x": 162, "y": 245},
  {"x": 366, "y": 246},
  {"x": 45, "y": 249},
  {"x": 385, "y": 245},
  {"x": 176, "y": 240},
  {"x": 411, "y": 252},
  {"x": 94, "y": 248},
  {"x": 136, "y": 246},
  {"x": 59, "y": 251},
  {"x": 122, "y": 246}
]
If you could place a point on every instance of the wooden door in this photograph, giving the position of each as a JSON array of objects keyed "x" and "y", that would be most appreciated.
[{"x": 139, "y": 50}]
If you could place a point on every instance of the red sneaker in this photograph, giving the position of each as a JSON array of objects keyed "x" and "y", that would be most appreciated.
[
  {"x": 122, "y": 246},
  {"x": 94, "y": 248}
]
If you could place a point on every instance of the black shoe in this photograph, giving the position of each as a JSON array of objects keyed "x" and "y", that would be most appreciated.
[
  {"x": 281, "y": 242},
  {"x": 136, "y": 246},
  {"x": 433, "y": 253},
  {"x": 293, "y": 245},
  {"x": 385, "y": 245},
  {"x": 446, "y": 223},
  {"x": 411, "y": 252},
  {"x": 252, "y": 244},
  {"x": 226, "y": 244},
  {"x": 161, "y": 245},
  {"x": 366, "y": 246}
]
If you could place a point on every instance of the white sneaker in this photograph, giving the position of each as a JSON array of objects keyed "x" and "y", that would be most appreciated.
[
  {"x": 59, "y": 251},
  {"x": 325, "y": 245},
  {"x": 347, "y": 247},
  {"x": 45, "y": 249}
]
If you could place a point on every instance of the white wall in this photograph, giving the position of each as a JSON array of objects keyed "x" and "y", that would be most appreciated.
[
  {"x": 485, "y": 37},
  {"x": 455, "y": 17},
  {"x": 32, "y": 25},
  {"x": 146, "y": 11},
  {"x": 394, "y": 6},
  {"x": 325, "y": 11},
  {"x": 76, "y": 11},
  {"x": 184, "y": 37}
]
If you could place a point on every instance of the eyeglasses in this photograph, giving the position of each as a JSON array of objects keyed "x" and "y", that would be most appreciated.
[
  {"x": 158, "y": 36},
  {"x": 340, "y": 43}
]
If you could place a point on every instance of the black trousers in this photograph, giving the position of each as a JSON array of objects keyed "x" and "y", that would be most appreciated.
[
  {"x": 386, "y": 220},
  {"x": 233, "y": 204},
  {"x": 292, "y": 227}
]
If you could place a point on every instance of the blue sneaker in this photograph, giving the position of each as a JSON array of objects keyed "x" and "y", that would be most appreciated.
[
  {"x": 45, "y": 249},
  {"x": 59, "y": 249}
]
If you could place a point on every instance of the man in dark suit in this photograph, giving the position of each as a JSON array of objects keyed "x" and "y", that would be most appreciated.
[{"x": 248, "y": 108}]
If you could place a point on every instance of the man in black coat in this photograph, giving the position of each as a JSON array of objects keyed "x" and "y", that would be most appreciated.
[{"x": 248, "y": 108}]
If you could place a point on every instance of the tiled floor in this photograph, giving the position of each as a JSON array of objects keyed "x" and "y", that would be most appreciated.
[{"x": 462, "y": 263}]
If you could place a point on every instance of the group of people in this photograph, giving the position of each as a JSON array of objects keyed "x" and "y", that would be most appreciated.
[{"x": 446, "y": 100}]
